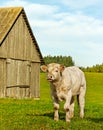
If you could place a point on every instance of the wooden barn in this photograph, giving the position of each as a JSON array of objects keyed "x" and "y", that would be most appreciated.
[{"x": 20, "y": 56}]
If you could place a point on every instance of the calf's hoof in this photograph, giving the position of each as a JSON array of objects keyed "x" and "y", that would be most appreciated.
[
  {"x": 82, "y": 116},
  {"x": 56, "y": 118},
  {"x": 71, "y": 115},
  {"x": 68, "y": 120}
]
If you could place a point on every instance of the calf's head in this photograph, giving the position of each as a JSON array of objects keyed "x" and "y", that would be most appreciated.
[{"x": 53, "y": 70}]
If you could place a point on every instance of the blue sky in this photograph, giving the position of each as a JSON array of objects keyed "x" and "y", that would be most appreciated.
[{"x": 66, "y": 27}]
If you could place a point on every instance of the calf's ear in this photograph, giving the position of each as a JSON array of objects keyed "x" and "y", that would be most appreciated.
[
  {"x": 43, "y": 68},
  {"x": 62, "y": 67}
]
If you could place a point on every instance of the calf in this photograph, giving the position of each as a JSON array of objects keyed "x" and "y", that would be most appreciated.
[{"x": 65, "y": 83}]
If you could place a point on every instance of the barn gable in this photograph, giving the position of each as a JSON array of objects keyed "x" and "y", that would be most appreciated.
[
  {"x": 20, "y": 56},
  {"x": 7, "y": 19},
  {"x": 16, "y": 32}
]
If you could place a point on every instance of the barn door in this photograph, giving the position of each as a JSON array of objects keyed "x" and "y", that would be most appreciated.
[{"x": 18, "y": 78}]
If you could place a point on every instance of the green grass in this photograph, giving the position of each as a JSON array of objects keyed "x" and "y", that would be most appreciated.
[{"x": 29, "y": 114}]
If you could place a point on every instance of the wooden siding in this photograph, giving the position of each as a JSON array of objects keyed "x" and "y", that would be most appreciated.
[
  {"x": 19, "y": 43},
  {"x": 2, "y": 77},
  {"x": 35, "y": 80}
]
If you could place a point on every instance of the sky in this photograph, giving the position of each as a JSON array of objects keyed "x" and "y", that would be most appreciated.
[{"x": 66, "y": 27}]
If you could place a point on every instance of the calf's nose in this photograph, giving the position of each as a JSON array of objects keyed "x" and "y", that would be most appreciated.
[{"x": 49, "y": 77}]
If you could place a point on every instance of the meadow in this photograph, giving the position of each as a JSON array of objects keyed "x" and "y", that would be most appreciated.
[{"x": 30, "y": 114}]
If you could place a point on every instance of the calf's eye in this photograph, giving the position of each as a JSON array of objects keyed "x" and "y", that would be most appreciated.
[{"x": 56, "y": 71}]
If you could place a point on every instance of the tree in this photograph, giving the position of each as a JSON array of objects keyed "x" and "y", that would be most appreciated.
[
  {"x": 65, "y": 60},
  {"x": 95, "y": 68}
]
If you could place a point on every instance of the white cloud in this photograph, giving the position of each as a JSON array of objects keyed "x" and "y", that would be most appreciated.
[
  {"x": 14, "y": 3},
  {"x": 79, "y": 4},
  {"x": 40, "y": 10}
]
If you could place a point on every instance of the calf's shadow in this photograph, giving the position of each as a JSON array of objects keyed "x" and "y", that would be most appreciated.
[{"x": 49, "y": 114}]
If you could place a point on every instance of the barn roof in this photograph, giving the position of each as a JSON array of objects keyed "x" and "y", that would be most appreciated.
[{"x": 8, "y": 17}]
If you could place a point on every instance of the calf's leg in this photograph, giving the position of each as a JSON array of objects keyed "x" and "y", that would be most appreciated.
[
  {"x": 67, "y": 106},
  {"x": 72, "y": 107},
  {"x": 82, "y": 101},
  {"x": 56, "y": 108}
]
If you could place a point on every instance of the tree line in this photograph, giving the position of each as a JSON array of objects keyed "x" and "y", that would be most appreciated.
[
  {"x": 95, "y": 68},
  {"x": 68, "y": 61},
  {"x": 65, "y": 60}
]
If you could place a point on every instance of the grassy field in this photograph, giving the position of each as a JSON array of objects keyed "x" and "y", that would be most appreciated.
[{"x": 29, "y": 114}]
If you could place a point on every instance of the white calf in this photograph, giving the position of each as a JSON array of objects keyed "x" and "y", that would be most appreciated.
[{"x": 66, "y": 82}]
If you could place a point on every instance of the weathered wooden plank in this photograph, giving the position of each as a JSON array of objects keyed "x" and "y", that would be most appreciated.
[
  {"x": 11, "y": 72},
  {"x": 2, "y": 77},
  {"x": 3, "y": 50},
  {"x": 34, "y": 53},
  {"x": 10, "y": 44},
  {"x": 35, "y": 83}
]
